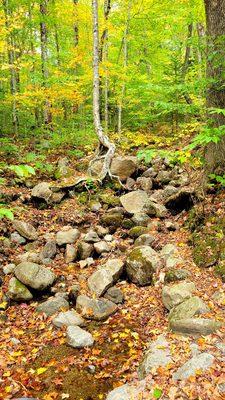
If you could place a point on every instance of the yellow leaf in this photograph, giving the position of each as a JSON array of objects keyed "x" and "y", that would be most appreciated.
[
  {"x": 8, "y": 389},
  {"x": 41, "y": 370}
]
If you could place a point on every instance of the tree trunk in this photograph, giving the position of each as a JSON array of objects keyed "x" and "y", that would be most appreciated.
[
  {"x": 11, "y": 60},
  {"x": 106, "y": 149},
  {"x": 125, "y": 51},
  {"x": 103, "y": 56},
  {"x": 186, "y": 63},
  {"x": 215, "y": 17},
  {"x": 44, "y": 58}
]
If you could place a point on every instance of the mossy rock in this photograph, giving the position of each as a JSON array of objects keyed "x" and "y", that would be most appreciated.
[
  {"x": 220, "y": 270},
  {"x": 112, "y": 219},
  {"x": 206, "y": 249},
  {"x": 137, "y": 231},
  {"x": 109, "y": 198},
  {"x": 127, "y": 223},
  {"x": 174, "y": 275}
]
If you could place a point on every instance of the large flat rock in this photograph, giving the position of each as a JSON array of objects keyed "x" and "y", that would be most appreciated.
[{"x": 134, "y": 202}]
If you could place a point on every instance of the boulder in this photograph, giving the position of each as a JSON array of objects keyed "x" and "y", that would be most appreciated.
[
  {"x": 25, "y": 229},
  {"x": 112, "y": 219},
  {"x": 34, "y": 275},
  {"x": 200, "y": 362},
  {"x": 195, "y": 326},
  {"x": 63, "y": 170},
  {"x": 91, "y": 237},
  {"x": 68, "y": 318},
  {"x": 128, "y": 392},
  {"x": 42, "y": 191},
  {"x": 9, "y": 269},
  {"x": 141, "y": 264},
  {"x": 77, "y": 337},
  {"x": 67, "y": 237},
  {"x": 144, "y": 183},
  {"x": 105, "y": 277},
  {"x": 84, "y": 250},
  {"x": 174, "y": 275},
  {"x": 29, "y": 256},
  {"x": 17, "y": 291},
  {"x": 150, "y": 173},
  {"x": 140, "y": 219},
  {"x": 71, "y": 253},
  {"x": 137, "y": 231},
  {"x": 53, "y": 305},
  {"x": 49, "y": 250},
  {"x": 158, "y": 355},
  {"x": 102, "y": 247},
  {"x": 155, "y": 209},
  {"x": 144, "y": 240},
  {"x": 182, "y": 200},
  {"x": 17, "y": 238},
  {"x": 121, "y": 166},
  {"x": 176, "y": 294},
  {"x": 171, "y": 256},
  {"x": 188, "y": 309},
  {"x": 100, "y": 281},
  {"x": 95, "y": 309},
  {"x": 134, "y": 202},
  {"x": 115, "y": 295}
]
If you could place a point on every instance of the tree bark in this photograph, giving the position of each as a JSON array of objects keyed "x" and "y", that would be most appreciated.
[
  {"x": 44, "y": 59},
  {"x": 11, "y": 59},
  {"x": 106, "y": 149},
  {"x": 215, "y": 17}
]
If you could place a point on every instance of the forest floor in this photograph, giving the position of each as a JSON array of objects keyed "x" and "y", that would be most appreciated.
[{"x": 35, "y": 360}]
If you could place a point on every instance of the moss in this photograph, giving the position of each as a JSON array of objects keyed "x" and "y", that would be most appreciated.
[
  {"x": 220, "y": 270},
  {"x": 206, "y": 249},
  {"x": 127, "y": 223},
  {"x": 83, "y": 198},
  {"x": 137, "y": 231},
  {"x": 176, "y": 275},
  {"x": 112, "y": 219},
  {"x": 109, "y": 198}
]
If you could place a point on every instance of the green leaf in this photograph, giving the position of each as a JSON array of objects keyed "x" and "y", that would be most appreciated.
[
  {"x": 5, "y": 212},
  {"x": 157, "y": 393}
]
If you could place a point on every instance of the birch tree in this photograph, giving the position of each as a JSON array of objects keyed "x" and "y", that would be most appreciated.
[{"x": 106, "y": 148}]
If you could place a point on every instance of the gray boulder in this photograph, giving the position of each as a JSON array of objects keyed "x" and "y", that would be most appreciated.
[
  {"x": 71, "y": 253},
  {"x": 121, "y": 166},
  {"x": 144, "y": 240},
  {"x": 100, "y": 281},
  {"x": 42, "y": 191},
  {"x": 77, "y": 337},
  {"x": 91, "y": 237},
  {"x": 34, "y": 275},
  {"x": 141, "y": 264},
  {"x": 95, "y": 309},
  {"x": 199, "y": 362},
  {"x": 158, "y": 355},
  {"x": 155, "y": 209},
  {"x": 174, "y": 275},
  {"x": 127, "y": 392},
  {"x": 188, "y": 309},
  {"x": 68, "y": 318},
  {"x": 25, "y": 229},
  {"x": 144, "y": 183},
  {"x": 9, "y": 269},
  {"x": 17, "y": 291},
  {"x": 53, "y": 305},
  {"x": 49, "y": 250},
  {"x": 195, "y": 326},
  {"x": 17, "y": 238},
  {"x": 102, "y": 247},
  {"x": 176, "y": 294},
  {"x": 134, "y": 202},
  {"x": 140, "y": 219},
  {"x": 84, "y": 250},
  {"x": 115, "y": 295},
  {"x": 67, "y": 237}
]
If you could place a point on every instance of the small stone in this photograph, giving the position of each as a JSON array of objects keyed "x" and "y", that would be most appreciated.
[
  {"x": 67, "y": 237},
  {"x": 17, "y": 291},
  {"x": 108, "y": 238},
  {"x": 102, "y": 247},
  {"x": 115, "y": 295},
  {"x": 68, "y": 318},
  {"x": 77, "y": 337},
  {"x": 53, "y": 305},
  {"x": 144, "y": 183},
  {"x": 17, "y": 238},
  {"x": 155, "y": 209},
  {"x": 171, "y": 226},
  {"x": 42, "y": 191},
  {"x": 25, "y": 229},
  {"x": 200, "y": 362},
  {"x": 95, "y": 206},
  {"x": 176, "y": 294},
  {"x": 100, "y": 281},
  {"x": 91, "y": 237},
  {"x": 150, "y": 173},
  {"x": 101, "y": 230}
]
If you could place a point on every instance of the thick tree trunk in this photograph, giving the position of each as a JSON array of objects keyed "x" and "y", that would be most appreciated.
[
  {"x": 215, "y": 16},
  {"x": 44, "y": 59},
  {"x": 106, "y": 148}
]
